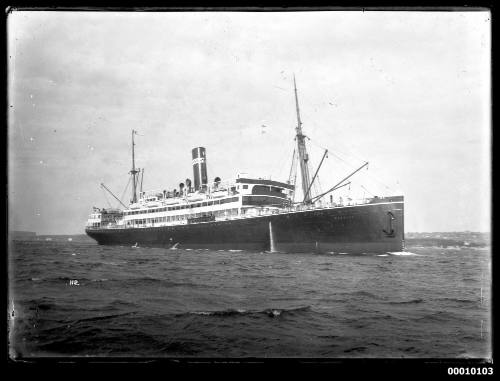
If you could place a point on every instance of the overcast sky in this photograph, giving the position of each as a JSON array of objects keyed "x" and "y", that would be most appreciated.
[{"x": 407, "y": 91}]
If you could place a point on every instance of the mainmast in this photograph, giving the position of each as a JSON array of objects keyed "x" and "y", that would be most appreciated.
[
  {"x": 133, "y": 172},
  {"x": 303, "y": 156}
]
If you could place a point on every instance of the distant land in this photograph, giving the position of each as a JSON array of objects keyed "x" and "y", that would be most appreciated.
[
  {"x": 445, "y": 239},
  {"x": 440, "y": 239},
  {"x": 32, "y": 236},
  {"x": 22, "y": 234}
]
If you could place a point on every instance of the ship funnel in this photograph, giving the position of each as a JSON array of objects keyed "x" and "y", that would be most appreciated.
[
  {"x": 217, "y": 182},
  {"x": 199, "y": 167}
]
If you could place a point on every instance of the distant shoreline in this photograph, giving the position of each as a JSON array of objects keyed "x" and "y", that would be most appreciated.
[
  {"x": 407, "y": 234},
  {"x": 438, "y": 239}
]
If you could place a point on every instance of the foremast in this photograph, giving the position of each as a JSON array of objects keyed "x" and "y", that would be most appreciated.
[
  {"x": 134, "y": 171},
  {"x": 302, "y": 151}
]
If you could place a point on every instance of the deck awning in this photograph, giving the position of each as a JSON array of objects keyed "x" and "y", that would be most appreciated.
[{"x": 266, "y": 182}]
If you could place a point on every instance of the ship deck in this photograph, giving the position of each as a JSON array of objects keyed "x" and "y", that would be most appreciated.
[{"x": 260, "y": 212}]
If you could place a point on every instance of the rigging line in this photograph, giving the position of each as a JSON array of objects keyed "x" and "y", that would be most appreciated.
[
  {"x": 128, "y": 183},
  {"x": 349, "y": 164},
  {"x": 318, "y": 187},
  {"x": 313, "y": 128},
  {"x": 282, "y": 160},
  {"x": 281, "y": 88},
  {"x": 379, "y": 181},
  {"x": 376, "y": 179},
  {"x": 343, "y": 160},
  {"x": 291, "y": 167},
  {"x": 315, "y": 174},
  {"x": 367, "y": 190},
  {"x": 294, "y": 183},
  {"x": 352, "y": 154},
  {"x": 327, "y": 149},
  {"x": 334, "y": 154},
  {"x": 367, "y": 173},
  {"x": 340, "y": 182},
  {"x": 106, "y": 197}
]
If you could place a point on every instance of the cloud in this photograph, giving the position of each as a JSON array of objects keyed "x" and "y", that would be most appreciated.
[{"x": 411, "y": 91}]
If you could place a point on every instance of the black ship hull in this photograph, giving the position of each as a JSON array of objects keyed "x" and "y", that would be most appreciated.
[{"x": 366, "y": 228}]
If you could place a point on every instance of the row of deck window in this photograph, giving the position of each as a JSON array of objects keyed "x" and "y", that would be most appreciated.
[
  {"x": 185, "y": 206},
  {"x": 182, "y": 217}
]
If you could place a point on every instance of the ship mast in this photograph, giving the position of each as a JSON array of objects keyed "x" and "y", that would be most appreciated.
[
  {"x": 303, "y": 156},
  {"x": 134, "y": 172}
]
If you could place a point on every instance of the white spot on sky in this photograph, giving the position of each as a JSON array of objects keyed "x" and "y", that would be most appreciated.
[
  {"x": 41, "y": 161},
  {"x": 32, "y": 139}
]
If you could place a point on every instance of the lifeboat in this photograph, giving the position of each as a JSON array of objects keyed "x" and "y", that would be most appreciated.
[
  {"x": 195, "y": 197},
  {"x": 171, "y": 201},
  {"x": 219, "y": 194}
]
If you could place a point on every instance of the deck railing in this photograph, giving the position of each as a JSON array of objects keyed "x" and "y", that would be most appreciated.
[{"x": 256, "y": 212}]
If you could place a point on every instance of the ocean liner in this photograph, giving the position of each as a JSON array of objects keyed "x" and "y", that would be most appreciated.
[{"x": 251, "y": 213}]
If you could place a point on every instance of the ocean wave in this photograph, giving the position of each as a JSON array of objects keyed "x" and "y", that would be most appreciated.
[
  {"x": 434, "y": 247},
  {"x": 356, "y": 349},
  {"x": 403, "y": 253},
  {"x": 364, "y": 294},
  {"x": 118, "y": 303},
  {"x": 57, "y": 279},
  {"x": 161, "y": 282},
  {"x": 96, "y": 318},
  {"x": 271, "y": 312},
  {"x": 458, "y": 300},
  {"x": 56, "y": 319},
  {"x": 411, "y": 301},
  {"x": 65, "y": 280},
  {"x": 144, "y": 281},
  {"x": 92, "y": 340},
  {"x": 469, "y": 279},
  {"x": 440, "y": 316},
  {"x": 42, "y": 305}
]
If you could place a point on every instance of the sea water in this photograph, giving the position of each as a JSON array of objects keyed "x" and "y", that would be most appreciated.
[{"x": 82, "y": 299}]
